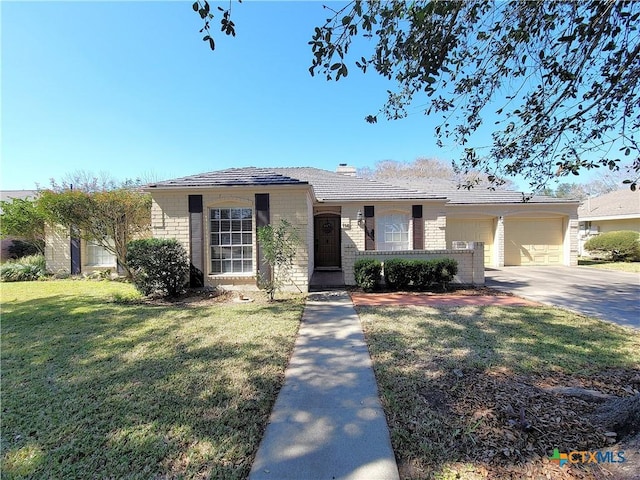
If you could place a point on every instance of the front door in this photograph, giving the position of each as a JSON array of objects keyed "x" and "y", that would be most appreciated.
[{"x": 327, "y": 241}]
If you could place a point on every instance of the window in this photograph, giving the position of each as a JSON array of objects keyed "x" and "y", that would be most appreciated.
[
  {"x": 99, "y": 256},
  {"x": 231, "y": 240},
  {"x": 392, "y": 232}
]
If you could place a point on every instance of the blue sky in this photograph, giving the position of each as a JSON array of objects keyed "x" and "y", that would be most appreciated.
[{"x": 130, "y": 89}]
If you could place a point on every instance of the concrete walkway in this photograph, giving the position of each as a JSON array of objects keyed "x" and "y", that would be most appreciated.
[{"x": 327, "y": 422}]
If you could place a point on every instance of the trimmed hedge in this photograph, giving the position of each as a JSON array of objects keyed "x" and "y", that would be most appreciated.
[
  {"x": 623, "y": 245},
  {"x": 158, "y": 266},
  {"x": 396, "y": 273},
  {"x": 421, "y": 275},
  {"x": 367, "y": 273}
]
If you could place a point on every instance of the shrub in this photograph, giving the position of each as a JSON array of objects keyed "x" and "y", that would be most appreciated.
[
  {"x": 159, "y": 266},
  {"x": 422, "y": 274},
  {"x": 367, "y": 273},
  {"x": 397, "y": 273},
  {"x": 445, "y": 269},
  {"x": 26, "y": 269},
  {"x": 623, "y": 245}
]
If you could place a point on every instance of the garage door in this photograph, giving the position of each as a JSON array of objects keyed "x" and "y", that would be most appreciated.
[
  {"x": 472, "y": 231},
  {"x": 533, "y": 241}
]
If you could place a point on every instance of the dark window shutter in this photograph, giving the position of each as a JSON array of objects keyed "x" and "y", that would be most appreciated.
[
  {"x": 262, "y": 220},
  {"x": 369, "y": 211},
  {"x": 195, "y": 203},
  {"x": 196, "y": 241},
  {"x": 418, "y": 228},
  {"x": 74, "y": 247},
  {"x": 369, "y": 228}
]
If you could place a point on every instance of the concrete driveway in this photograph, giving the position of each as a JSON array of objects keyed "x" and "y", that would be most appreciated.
[{"x": 612, "y": 296}]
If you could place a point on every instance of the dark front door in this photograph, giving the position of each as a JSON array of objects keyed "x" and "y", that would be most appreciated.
[{"x": 327, "y": 241}]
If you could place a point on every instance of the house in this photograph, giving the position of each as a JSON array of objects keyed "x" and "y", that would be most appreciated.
[
  {"x": 539, "y": 231},
  {"x": 68, "y": 253},
  {"x": 613, "y": 211},
  {"x": 341, "y": 217},
  {"x": 8, "y": 196}
]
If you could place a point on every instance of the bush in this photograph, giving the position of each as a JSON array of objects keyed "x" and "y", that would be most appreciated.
[
  {"x": 397, "y": 273},
  {"x": 445, "y": 269},
  {"x": 159, "y": 266},
  {"x": 623, "y": 245},
  {"x": 26, "y": 269},
  {"x": 367, "y": 273},
  {"x": 422, "y": 274}
]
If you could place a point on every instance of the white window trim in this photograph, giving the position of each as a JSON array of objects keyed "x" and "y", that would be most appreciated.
[{"x": 210, "y": 259}]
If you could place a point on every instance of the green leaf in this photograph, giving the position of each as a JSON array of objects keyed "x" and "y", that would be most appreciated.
[
  {"x": 335, "y": 66},
  {"x": 195, "y": 6},
  {"x": 346, "y": 20}
]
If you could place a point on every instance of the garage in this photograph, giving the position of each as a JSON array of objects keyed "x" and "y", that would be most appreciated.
[
  {"x": 533, "y": 241},
  {"x": 472, "y": 230}
]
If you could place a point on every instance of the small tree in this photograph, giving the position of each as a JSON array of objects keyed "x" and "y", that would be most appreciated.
[
  {"x": 278, "y": 245},
  {"x": 22, "y": 218},
  {"x": 158, "y": 265},
  {"x": 110, "y": 218}
]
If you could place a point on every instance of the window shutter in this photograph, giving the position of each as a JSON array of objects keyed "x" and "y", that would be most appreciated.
[
  {"x": 418, "y": 227},
  {"x": 262, "y": 220},
  {"x": 369, "y": 228},
  {"x": 196, "y": 241},
  {"x": 74, "y": 247}
]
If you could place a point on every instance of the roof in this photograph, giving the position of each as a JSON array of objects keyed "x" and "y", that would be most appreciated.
[
  {"x": 327, "y": 186},
  {"x": 613, "y": 204},
  {"x": 476, "y": 195},
  {"x": 6, "y": 195},
  {"x": 230, "y": 177}
]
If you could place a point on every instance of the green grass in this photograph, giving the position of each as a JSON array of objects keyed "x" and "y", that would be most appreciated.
[
  {"x": 633, "y": 267},
  {"x": 97, "y": 388},
  {"x": 449, "y": 376}
]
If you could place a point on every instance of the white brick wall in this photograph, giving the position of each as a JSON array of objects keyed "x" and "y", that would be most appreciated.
[{"x": 57, "y": 249}]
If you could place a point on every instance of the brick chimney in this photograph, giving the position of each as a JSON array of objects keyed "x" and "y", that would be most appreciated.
[{"x": 344, "y": 169}]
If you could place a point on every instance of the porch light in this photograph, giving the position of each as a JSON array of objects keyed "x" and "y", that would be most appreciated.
[{"x": 359, "y": 217}]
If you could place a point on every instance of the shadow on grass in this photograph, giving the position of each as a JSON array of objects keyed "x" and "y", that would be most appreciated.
[
  {"x": 466, "y": 385},
  {"x": 92, "y": 389}
]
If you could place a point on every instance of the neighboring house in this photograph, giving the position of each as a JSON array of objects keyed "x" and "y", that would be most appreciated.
[
  {"x": 613, "y": 211},
  {"x": 340, "y": 217},
  {"x": 7, "y": 196}
]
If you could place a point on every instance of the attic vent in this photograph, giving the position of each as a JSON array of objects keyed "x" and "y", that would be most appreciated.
[{"x": 459, "y": 245}]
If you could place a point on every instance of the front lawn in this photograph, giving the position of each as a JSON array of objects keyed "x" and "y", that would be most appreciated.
[
  {"x": 97, "y": 389},
  {"x": 468, "y": 391}
]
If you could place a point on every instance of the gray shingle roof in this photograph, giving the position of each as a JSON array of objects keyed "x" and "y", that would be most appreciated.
[
  {"x": 331, "y": 186},
  {"x": 327, "y": 186},
  {"x": 619, "y": 202},
  {"x": 476, "y": 195},
  {"x": 230, "y": 177}
]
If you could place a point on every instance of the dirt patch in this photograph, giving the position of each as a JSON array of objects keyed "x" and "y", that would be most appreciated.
[{"x": 208, "y": 297}]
